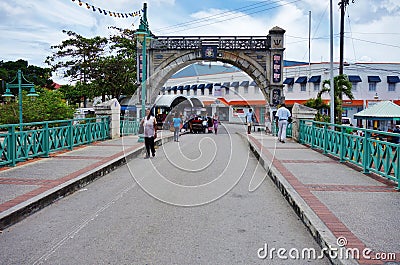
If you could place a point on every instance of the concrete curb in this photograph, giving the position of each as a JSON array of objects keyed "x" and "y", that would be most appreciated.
[
  {"x": 319, "y": 231},
  {"x": 19, "y": 212}
]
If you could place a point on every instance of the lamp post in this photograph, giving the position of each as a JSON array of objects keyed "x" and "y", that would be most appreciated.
[
  {"x": 143, "y": 34},
  {"x": 20, "y": 86}
]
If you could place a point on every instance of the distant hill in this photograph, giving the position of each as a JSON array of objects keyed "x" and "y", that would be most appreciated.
[{"x": 200, "y": 69}]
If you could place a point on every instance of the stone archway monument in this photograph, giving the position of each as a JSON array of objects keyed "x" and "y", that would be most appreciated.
[{"x": 260, "y": 57}]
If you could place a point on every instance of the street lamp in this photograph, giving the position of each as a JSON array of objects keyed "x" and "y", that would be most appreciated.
[
  {"x": 143, "y": 35},
  {"x": 20, "y": 86}
]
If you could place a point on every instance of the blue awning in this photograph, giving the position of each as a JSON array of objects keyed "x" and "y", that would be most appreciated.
[
  {"x": 235, "y": 84},
  {"x": 174, "y": 88},
  {"x": 244, "y": 83},
  {"x": 217, "y": 84},
  {"x": 301, "y": 80},
  {"x": 253, "y": 83},
  {"x": 354, "y": 78},
  {"x": 209, "y": 86},
  {"x": 201, "y": 86},
  {"x": 187, "y": 87},
  {"x": 393, "y": 79},
  {"x": 180, "y": 87},
  {"x": 168, "y": 88},
  {"x": 288, "y": 81},
  {"x": 163, "y": 88},
  {"x": 226, "y": 84},
  {"x": 194, "y": 87},
  {"x": 374, "y": 79},
  {"x": 315, "y": 79}
]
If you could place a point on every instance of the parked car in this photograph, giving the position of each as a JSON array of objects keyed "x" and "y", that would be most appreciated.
[{"x": 199, "y": 124}]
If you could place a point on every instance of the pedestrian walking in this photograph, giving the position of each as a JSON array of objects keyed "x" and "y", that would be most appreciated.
[
  {"x": 249, "y": 120},
  {"x": 216, "y": 122},
  {"x": 282, "y": 115},
  {"x": 177, "y": 121},
  {"x": 150, "y": 133}
]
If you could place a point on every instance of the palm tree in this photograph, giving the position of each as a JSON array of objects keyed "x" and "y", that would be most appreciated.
[
  {"x": 318, "y": 104},
  {"x": 342, "y": 86}
]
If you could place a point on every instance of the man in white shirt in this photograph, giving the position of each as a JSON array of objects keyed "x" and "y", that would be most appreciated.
[{"x": 283, "y": 115}]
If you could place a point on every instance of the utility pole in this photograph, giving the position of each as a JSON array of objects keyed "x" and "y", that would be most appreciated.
[{"x": 342, "y": 5}]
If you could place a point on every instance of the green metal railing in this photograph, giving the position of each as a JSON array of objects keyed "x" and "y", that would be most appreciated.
[
  {"x": 275, "y": 129},
  {"x": 39, "y": 139},
  {"x": 372, "y": 150},
  {"x": 129, "y": 126}
]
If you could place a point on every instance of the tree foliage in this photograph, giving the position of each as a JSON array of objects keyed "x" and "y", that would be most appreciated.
[
  {"x": 49, "y": 105},
  {"x": 100, "y": 66},
  {"x": 37, "y": 75},
  {"x": 342, "y": 86},
  {"x": 318, "y": 104}
]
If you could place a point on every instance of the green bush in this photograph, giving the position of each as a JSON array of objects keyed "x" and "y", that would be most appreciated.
[{"x": 48, "y": 106}]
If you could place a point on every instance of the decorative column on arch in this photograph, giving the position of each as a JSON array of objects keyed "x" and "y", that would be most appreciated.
[{"x": 275, "y": 67}]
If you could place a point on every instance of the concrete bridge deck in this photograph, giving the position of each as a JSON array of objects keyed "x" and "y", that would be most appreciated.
[{"x": 339, "y": 205}]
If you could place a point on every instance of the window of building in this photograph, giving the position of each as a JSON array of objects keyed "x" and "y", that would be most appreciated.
[
  {"x": 302, "y": 80},
  {"x": 392, "y": 81},
  {"x": 372, "y": 81},
  {"x": 256, "y": 90},
  {"x": 316, "y": 80},
  {"x": 226, "y": 90},
  {"x": 354, "y": 80},
  {"x": 391, "y": 87},
  {"x": 354, "y": 86},
  {"x": 290, "y": 88},
  {"x": 372, "y": 86},
  {"x": 237, "y": 90},
  {"x": 246, "y": 90}
]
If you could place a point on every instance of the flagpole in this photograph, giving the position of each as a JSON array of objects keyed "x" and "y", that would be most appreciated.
[{"x": 332, "y": 87}]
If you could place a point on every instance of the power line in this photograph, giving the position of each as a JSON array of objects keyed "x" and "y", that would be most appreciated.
[
  {"x": 210, "y": 23},
  {"x": 222, "y": 14}
]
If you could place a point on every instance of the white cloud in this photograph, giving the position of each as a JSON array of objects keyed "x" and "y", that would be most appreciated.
[{"x": 29, "y": 28}]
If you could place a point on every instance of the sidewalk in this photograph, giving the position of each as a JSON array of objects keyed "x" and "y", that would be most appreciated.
[
  {"x": 339, "y": 204},
  {"x": 32, "y": 185}
]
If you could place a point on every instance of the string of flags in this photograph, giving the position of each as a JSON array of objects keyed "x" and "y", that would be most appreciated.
[{"x": 107, "y": 12}]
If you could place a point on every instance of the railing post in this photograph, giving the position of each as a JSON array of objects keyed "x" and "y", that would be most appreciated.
[
  {"x": 70, "y": 134},
  {"x": 301, "y": 131},
  {"x": 325, "y": 138},
  {"x": 397, "y": 172},
  {"x": 89, "y": 130},
  {"x": 12, "y": 146},
  {"x": 367, "y": 151},
  {"x": 46, "y": 140},
  {"x": 312, "y": 134},
  {"x": 103, "y": 128},
  {"x": 341, "y": 144}
]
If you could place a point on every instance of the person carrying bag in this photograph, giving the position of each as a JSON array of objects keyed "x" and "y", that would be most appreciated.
[{"x": 150, "y": 133}]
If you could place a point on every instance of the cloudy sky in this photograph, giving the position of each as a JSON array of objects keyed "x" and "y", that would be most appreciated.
[{"x": 372, "y": 27}]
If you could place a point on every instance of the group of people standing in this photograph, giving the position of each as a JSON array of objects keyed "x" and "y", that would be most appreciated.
[
  {"x": 149, "y": 125},
  {"x": 282, "y": 116}
]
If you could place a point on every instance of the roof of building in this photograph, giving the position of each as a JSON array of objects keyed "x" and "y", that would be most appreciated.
[{"x": 384, "y": 110}]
